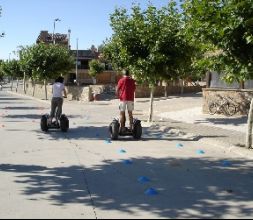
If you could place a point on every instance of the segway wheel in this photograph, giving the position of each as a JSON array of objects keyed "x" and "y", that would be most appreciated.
[
  {"x": 137, "y": 132},
  {"x": 114, "y": 130},
  {"x": 64, "y": 123},
  {"x": 43, "y": 123}
]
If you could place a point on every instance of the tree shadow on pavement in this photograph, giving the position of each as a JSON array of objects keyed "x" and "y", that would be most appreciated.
[
  {"x": 11, "y": 99},
  {"x": 9, "y": 103},
  {"x": 31, "y": 116},
  {"x": 21, "y": 108},
  {"x": 23, "y": 116},
  {"x": 226, "y": 121},
  {"x": 187, "y": 188},
  {"x": 95, "y": 133},
  {"x": 77, "y": 133}
]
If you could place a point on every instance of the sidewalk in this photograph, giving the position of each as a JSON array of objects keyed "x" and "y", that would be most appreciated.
[{"x": 217, "y": 130}]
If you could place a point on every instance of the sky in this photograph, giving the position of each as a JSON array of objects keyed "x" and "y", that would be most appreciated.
[{"x": 88, "y": 20}]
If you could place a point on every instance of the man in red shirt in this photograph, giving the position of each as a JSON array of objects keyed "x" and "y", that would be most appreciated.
[{"x": 125, "y": 91}]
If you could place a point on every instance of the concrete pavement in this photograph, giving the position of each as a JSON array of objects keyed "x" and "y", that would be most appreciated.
[
  {"x": 80, "y": 175},
  {"x": 185, "y": 113}
]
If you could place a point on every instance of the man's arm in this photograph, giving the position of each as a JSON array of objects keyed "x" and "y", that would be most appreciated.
[{"x": 118, "y": 89}]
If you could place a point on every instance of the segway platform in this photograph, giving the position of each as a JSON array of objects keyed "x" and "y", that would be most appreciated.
[
  {"x": 62, "y": 124},
  {"x": 115, "y": 132}
]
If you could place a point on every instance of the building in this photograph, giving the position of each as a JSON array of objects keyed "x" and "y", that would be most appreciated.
[
  {"x": 80, "y": 73},
  {"x": 49, "y": 38},
  {"x": 214, "y": 80}
]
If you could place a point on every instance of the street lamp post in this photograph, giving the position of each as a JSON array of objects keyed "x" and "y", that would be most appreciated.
[
  {"x": 55, "y": 20},
  {"x": 69, "y": 32},
  {"x": 77, "y": 55}
]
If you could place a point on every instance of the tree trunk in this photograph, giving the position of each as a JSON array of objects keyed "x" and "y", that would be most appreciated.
[
  {"x": 182, "y": 86},
  {"x": 151, "y": 110},
  {"x": 166, "y": 90},
  {"x": 17, "y": 85},
  {"x": 12, "y": 81},
  {"x": 208, "y": 79},
  {"x": 24, "y": 83},
  {"x": 33, "y": 82},
  {"x": 45, "y": 84},
  {"x": 242, "y": 85},
  {"x": 250, "y": 123}
]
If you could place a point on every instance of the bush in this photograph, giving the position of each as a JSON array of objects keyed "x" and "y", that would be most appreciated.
[{"x": 95, "y": 68}]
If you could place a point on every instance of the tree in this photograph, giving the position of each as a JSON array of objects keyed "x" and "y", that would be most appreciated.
[
  {"x": 225, "y": 29},
  {"x": 26, "y": 68},
  {"x": 95, "y": 68},
  {"x": 1, "y": 70},
  {"x": 150, "y": 43},
  {"x": 12, "y": 68},
  {"x": 46, "y": 62}
]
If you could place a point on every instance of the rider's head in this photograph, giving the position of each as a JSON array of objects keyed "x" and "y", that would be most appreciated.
[
  {"x": 60, "y": 79},
  {"x": 126, "y": 72}
]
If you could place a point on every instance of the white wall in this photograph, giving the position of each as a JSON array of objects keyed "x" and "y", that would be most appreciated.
[{"x": 217, "y": 82}]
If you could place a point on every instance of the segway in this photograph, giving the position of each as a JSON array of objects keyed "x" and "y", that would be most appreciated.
[
  {"x": 61, "y": 123},
  {"x": 115, "y": 132}
]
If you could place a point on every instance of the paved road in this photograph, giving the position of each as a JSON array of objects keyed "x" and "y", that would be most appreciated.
[{"x": 80, "y": 175}]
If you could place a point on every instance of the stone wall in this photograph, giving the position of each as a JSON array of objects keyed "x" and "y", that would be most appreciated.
[
  {"x": 79, "y": 93},
  {"x": 144, "y": 91},
  {"x": 37, "y": 90},
  {"x": 73, "y": 92},
  {"x": 86, "y": 93},
  {"x": 241, "y": 98}
]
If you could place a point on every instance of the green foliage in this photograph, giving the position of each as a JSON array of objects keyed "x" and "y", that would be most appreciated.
[
  {"x": 1, "y": 69},
  {"x": 95, "y": 68},
  {"x": 150, "y": 43},
  {"x": 226, "y": 27},
  {"x": 11, "y": 68},
  {"x": 45, "y": 62}
]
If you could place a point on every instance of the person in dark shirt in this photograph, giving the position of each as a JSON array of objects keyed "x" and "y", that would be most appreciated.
[{"x": 125, "y": 91}]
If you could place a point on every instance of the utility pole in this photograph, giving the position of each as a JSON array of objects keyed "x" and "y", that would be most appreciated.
[
  {"x": 55, "y": 20},
  {"x": 69, "y": 32},
  {"x": 77, "y": 62}
]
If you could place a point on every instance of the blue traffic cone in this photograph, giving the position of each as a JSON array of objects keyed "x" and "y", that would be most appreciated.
[{"x": 151, "y": 192}]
